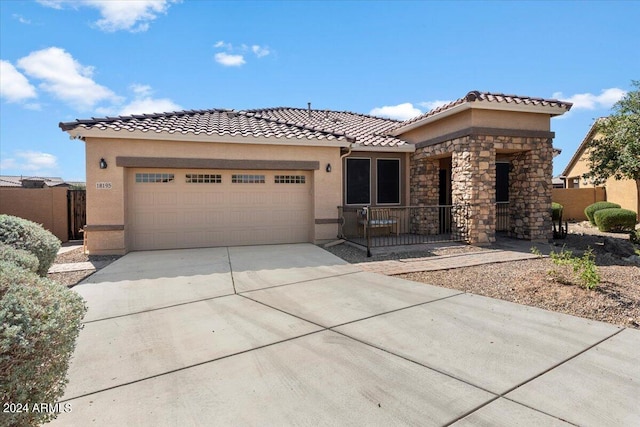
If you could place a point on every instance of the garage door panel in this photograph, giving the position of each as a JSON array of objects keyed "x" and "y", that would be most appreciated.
[{"x": 181, "y": 214}]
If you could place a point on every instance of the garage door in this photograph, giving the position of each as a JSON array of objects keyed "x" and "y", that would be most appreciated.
[{"x": 189, "y": 209}]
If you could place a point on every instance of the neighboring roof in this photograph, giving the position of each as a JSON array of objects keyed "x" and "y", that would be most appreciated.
[
  {"x": 488, "y": 100},
  {"x": 16, "y": 181},
  {"x": 576, "y": 156},
  {"x": 278, "y": 123}
]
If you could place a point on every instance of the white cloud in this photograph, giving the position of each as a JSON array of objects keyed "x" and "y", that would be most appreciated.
[
  {"x": 400, "y": 112},
  {"x": 33, "y": 162},
  {"x": 221, "y": 44},
  {"x": 21, "y": 19},
  {"x": 141, "y": 90},
  {"x": 134, "y": 16},
  {"x": 65, "y": 78},
  {"x": 432, "y": 105},
  {"x": 589, "y": 101},
  {"x": 229, "y": 60},
  {"x": 143, "y": 103},
  {"x": 14, "y": 86},
  {"x": 53, "y": 4},
  {"x": 149, "y": 106},
  {"x": 260, "y": 51}
]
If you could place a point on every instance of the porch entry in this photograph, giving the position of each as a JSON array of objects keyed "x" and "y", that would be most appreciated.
[{"x": 402, "y": 225}]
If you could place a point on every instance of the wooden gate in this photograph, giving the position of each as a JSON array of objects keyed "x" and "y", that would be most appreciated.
[{"x": 77, "y": 208}]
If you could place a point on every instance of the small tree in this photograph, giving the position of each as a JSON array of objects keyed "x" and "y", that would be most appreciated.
[{"x": 615, "y": 151}]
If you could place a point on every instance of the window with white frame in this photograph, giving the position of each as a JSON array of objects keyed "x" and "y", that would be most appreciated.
[
  {"x": 154, "y": 177},
  {"x": 247, "y": 179},
  {"x": 203, "y": 178},
  {"x": 290, "y": 179}
]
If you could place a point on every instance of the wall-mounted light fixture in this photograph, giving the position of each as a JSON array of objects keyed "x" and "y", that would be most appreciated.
[
  {"x": 328, "y": 168},
  {"x": 103, "y": 163}
]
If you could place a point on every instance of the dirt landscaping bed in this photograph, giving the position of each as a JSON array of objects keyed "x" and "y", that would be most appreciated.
[{"x": 72, "y": 278}]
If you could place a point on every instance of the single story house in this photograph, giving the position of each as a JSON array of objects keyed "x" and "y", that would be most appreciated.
[
  {"x": 279, "y": 175},
  {"x": 623, "y": 192}
]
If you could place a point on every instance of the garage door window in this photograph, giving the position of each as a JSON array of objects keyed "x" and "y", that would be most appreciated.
[
  {"x": 247, "y": 179},
  {"x": 155, "y": 177},
  {"x": 199, "y": 178},
  {"x": 290, "y": 179}
]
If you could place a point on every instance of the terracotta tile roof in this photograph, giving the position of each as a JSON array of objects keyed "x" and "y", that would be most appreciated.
[
  {"x": 367, "y": 130},
  {"x": 281, "y": 122},
  {"x": 488, "y": 97}
]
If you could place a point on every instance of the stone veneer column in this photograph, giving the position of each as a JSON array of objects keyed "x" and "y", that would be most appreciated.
[
  {"x": 424, "y": 182},
  {"x": 473, "y": 178},
  {"x": 530, "y": 191}
]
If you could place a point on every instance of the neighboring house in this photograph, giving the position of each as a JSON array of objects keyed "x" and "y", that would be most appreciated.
[
  {"x": 32, "y": 181},
  {"x": 278, "y": 175},
  {"x": 622, "y": 192},
  {"x": 44, "y": 200}
]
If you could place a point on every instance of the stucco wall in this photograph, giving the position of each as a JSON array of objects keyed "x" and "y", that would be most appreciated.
[
  {"x": 575, "y": 200},
  {"x": 441, "y": 127},
  {"x": 509, "y": 120},
  {"x": 109, "y": 207},
  {"x": 46, "y": 206},
  {"x": 479, "y": 118},
  {"x": 622, "y": 192}
]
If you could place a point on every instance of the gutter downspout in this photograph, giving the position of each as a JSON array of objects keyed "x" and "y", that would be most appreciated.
[{"x": 341, "y": 219}]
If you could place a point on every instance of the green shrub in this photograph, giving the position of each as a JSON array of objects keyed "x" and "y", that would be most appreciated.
[
  {"x": 19, "y": 257},
  {"x": 39, "y": 323},
  {"x": 615, "y": 219},
  {"x": 24, "y": 234},
  {"x": 592, "y": 209},
  {"x": 556, "y": 210},
  {"x": 584, "y": 267}
]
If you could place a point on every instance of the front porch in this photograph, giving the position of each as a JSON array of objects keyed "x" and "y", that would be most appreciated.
[{"x": 373, "y": 227}]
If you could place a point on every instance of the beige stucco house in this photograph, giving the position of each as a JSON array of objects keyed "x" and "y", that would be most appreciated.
[
  {"x": 223, "y": 177},
  {"x": 623, "y": 192}
]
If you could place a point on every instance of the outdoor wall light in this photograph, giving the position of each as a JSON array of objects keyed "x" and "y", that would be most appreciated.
[
  {"x": 103, "y": 163},
  {"x": 328, "y": 168}
]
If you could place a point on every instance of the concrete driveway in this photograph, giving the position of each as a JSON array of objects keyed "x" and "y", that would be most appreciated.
[{"x": 290, "y": 334}]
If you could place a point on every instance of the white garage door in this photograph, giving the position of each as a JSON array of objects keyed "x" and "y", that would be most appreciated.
[{"x": 189, "y": 209}]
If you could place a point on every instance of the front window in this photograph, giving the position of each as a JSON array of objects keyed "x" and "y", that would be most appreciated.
[
  {"x": 358, "y": 181},
  {"x": 388, "y": 181}
]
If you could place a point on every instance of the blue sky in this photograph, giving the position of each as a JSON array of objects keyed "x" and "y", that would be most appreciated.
[{"x": 63, "y": 60}]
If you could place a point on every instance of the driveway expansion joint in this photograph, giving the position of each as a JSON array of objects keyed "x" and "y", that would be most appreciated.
[
  {"x": 299, "y": 282},
  {"x": 156, "y": 309},
  {"x": 560, "y": 363}
]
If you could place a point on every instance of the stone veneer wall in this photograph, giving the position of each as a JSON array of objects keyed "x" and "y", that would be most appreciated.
[
  {"x": 424, "y": 192},
  {"x": 473, "y": 185},
  {"x": 530, "y": 191},
  {"x": 473, "y": 177}
]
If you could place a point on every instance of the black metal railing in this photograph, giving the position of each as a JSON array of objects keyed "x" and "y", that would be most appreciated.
[
  {"x": 403, "y": 225},
  {"x": 502, "y": 216}
]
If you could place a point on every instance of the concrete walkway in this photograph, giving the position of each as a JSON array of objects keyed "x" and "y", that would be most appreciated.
[
  {"x": 443, "y": 262},
  {"x": 290, "y": 334}
]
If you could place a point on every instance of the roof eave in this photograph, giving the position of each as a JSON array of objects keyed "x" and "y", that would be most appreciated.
[
  {"x": 553, "y": 111},
  {"x": 446, "y": 113},
  {"x": 83, "y": 133},
  {"x": 581, "y": 147}
]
